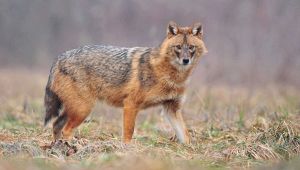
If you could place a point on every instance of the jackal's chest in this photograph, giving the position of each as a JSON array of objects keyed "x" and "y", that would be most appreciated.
[{"x": 163, "y": 94}]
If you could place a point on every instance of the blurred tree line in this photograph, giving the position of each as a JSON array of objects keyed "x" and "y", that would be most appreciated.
[{"x": 251, "y": 42}]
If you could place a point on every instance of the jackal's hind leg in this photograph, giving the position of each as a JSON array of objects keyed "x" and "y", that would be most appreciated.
[{"x": 76, "y": 115}]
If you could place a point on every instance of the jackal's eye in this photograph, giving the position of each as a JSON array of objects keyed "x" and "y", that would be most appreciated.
[
  {"x": 192, "y": 47},
  {"x": 178, "y": 47}
]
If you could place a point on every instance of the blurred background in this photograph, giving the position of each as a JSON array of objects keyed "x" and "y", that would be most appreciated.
[
  {"x": 243, "y": 103},
  {"x": 249, "y": 42}
]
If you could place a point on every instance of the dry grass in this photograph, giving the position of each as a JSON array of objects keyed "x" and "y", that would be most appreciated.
[{"x": 231, "y": 127}]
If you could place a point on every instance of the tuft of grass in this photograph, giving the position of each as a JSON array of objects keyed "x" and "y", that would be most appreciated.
[{"x": 280, "y": 141}]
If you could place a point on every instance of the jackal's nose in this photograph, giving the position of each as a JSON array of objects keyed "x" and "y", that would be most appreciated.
[{"x": 185, "y": 61}]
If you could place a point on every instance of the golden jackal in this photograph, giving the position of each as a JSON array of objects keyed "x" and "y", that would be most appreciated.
[{"x": 132, "y": 78}]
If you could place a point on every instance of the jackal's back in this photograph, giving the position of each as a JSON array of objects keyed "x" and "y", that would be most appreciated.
[{"x": 110, "y": 63}]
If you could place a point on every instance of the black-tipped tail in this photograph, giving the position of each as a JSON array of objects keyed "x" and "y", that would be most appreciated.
[{"x": 52, "y": 105}]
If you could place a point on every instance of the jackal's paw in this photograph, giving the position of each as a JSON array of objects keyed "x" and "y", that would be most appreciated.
[
  {"x": 126, "y": 146},
  {"x": 187, "y": 139},
  {"x": 174, "y": 138},
  {"x": 59, "y": 143},
  {"x": 75, "y": 145},
  {"x": 65, "y": 146}
]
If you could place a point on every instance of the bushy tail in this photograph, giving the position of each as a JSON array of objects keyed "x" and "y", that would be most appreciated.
[{"x": 52, "y": 103}]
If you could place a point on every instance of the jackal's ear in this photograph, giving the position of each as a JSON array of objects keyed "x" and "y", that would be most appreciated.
[
  {"x": 172, "y": 29},
  {"x": 197, "y": 29}
]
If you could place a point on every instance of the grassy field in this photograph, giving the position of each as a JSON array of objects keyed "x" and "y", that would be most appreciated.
[{"x": 231, "y": 127}]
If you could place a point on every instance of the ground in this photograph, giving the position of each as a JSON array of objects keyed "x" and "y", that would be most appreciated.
[{"x": 236, "y": 127}]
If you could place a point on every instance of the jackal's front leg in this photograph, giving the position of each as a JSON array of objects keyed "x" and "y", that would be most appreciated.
[
  {"x": 172, "y": 112},
  {"x": 129, "y": 116}
]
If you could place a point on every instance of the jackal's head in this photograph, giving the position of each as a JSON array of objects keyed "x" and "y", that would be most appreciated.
[{"x": 183, "y": 46}]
